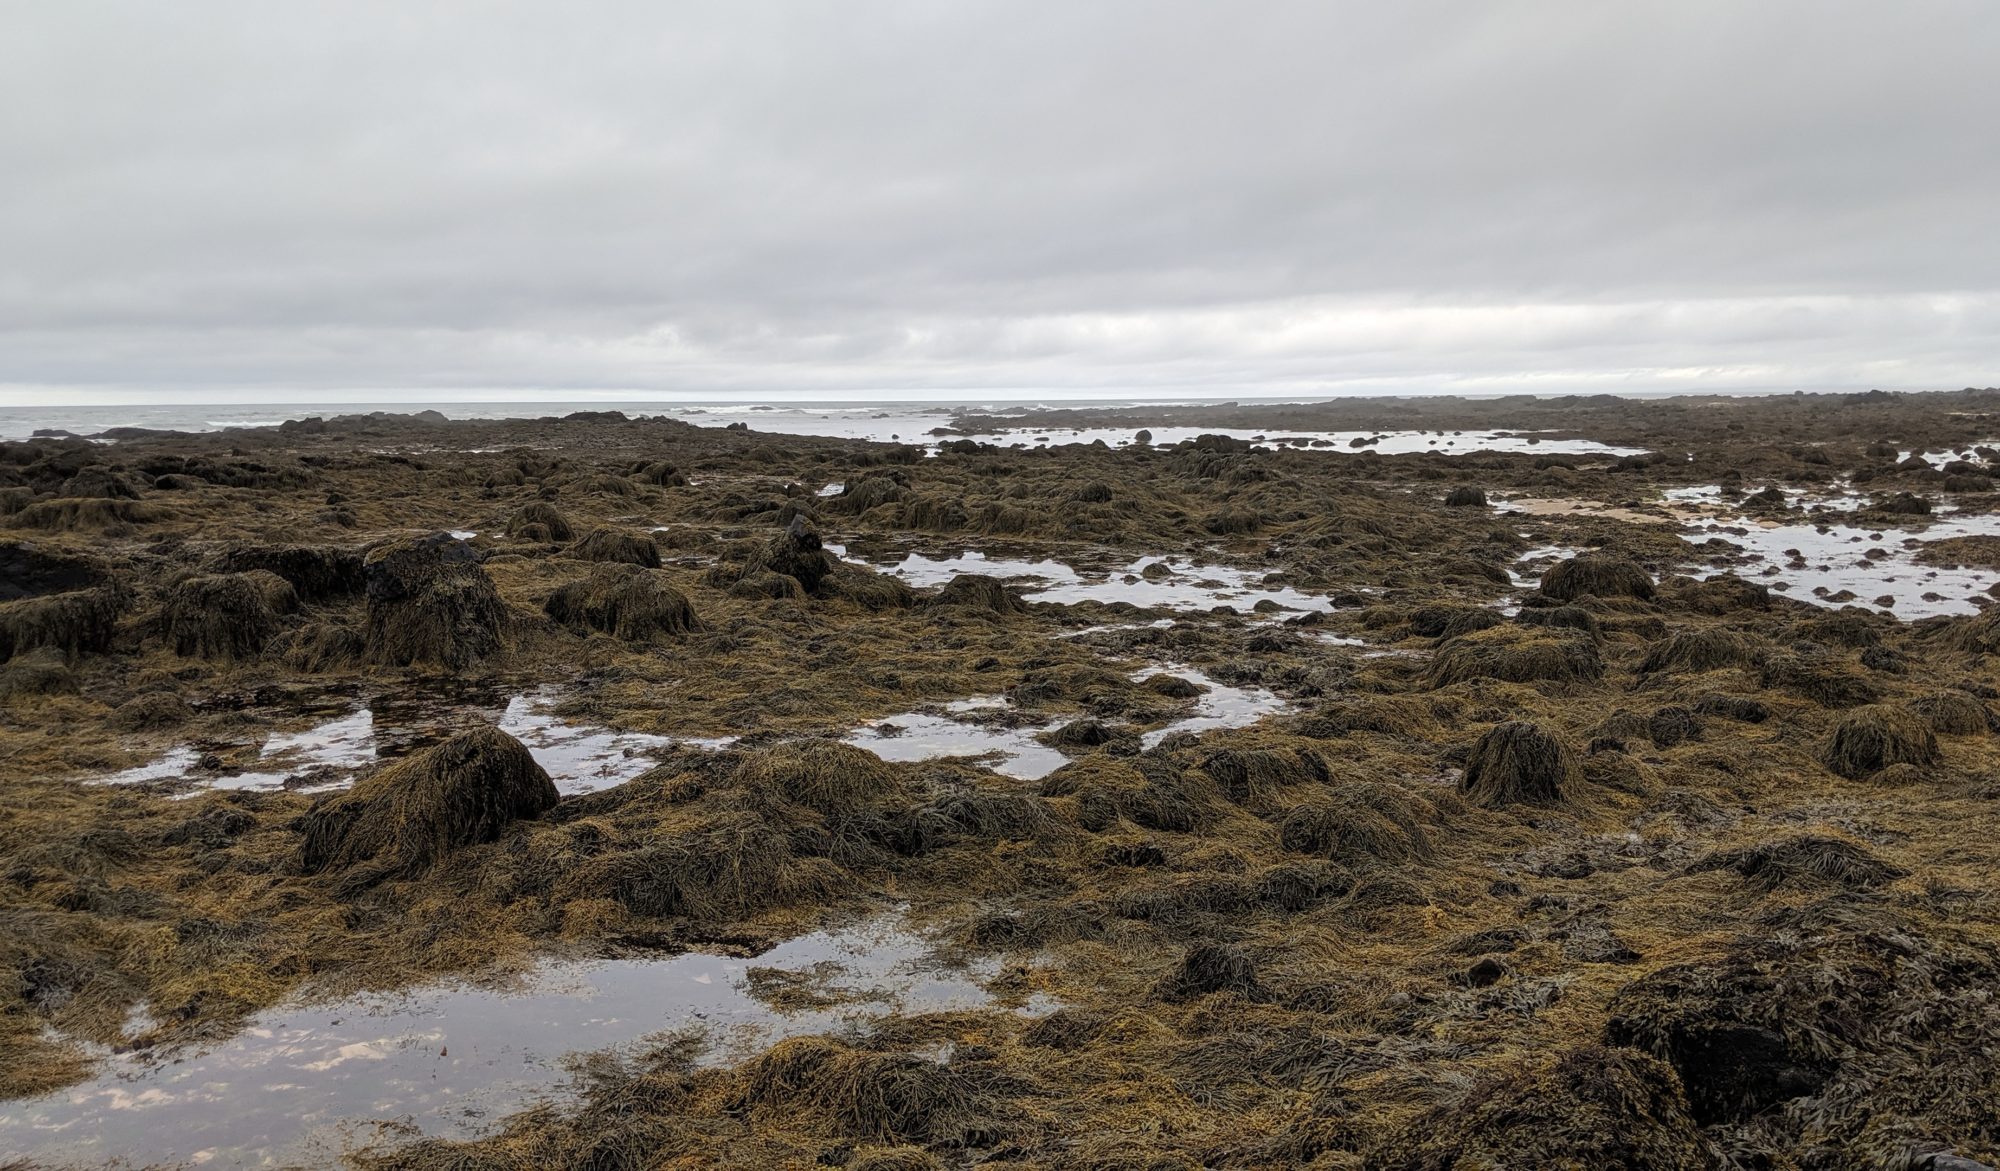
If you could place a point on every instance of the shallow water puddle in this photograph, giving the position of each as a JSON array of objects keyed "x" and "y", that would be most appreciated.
[
  {"x": 1174, "y": 584},
  {"x": 1221, "y": 706},
  {"x": 1709, "y": 498},
  {"x": 1108, "y": 627},
  {"x": 1184, "y": 586},
  {"x": 580, "y": 758},
  {"x": 1016, "y": 752},
  {"x": 1838, "y": 566},
  {"x": 1575, "y": 506},
  {"x": 303, "y": 1082},
  {"x": 1858, "y": 565},
  {"x": 913, "y": 736}
]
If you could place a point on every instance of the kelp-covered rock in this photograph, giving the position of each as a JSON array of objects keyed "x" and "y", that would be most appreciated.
[
  {"x": 797, "y": 553},
  {"x": 979, "y": 591},
  {"x": 423, "y": 808},
  {"x": 29, "y": 570},
  {"x": 626, "y": 602},
  {"x": 1513, "y": 655},
  {"x": 99, "y": 482},
  {"x": 1702, "y": 650},
  {"x": 1593, "y": 1107},
  {"x": 1865, "y": 1025},
  {"x": 77, "y": 622},
  {"x": 1804, "y": 861},
  {"x": 885, "y": 1097},
  {"x": 866, "y": 588},
  {"x": 609, "y": 544},
  {"x": 1597, "y": 575},
  {"x": 1952, "y": 712},
  {"x": 431, "y": 604},
  {"x": 109, "y": 517},
  {"x": 538, "y": 520},
  {"x": 37, "y": 673},
  {"x": 316, "y": 572},
  {"x": 826, "y": 775},
  {"x": 1870, "y": 739},
  {"x": 1520, "y": 762},
  {"x": 221, "y": 616}
]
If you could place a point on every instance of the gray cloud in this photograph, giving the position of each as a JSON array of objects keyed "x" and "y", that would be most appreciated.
[{"x": 218, "y": 199}]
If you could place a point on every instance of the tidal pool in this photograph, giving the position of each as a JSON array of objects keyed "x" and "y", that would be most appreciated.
[
  {"x": 1175, "y": 584},
  {"x": 1814, "y": 551},
  {"x": 306, "y": 1081},
  {"x": 580, "y": 758},
  {"x": 1844, "y": 565},
  {"x": 1016, "y": 752}
]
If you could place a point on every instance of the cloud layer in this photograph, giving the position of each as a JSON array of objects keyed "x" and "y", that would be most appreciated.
[{"x": 217, "y": 199}]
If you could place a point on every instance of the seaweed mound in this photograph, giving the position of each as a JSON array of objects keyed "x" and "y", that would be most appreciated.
[
  {"x": 624, "y": 601},
  {"x": 1823, "y": 679},
  {"x": 1954, "y": 713},
  {"x": 99, "y": 482},
  {"x": 88, "y": 515},
  {"x": 538, "y": 520},
  {"x": 1596, "y": 1107},
  {"x": 1247, "y": 775},
  {"x": 76, "y": 623},
  {"x": 154, "y": 709},
  {"x": 796, "y": 553},
  {"x": 1977, "y": 634},
  {"x": 1466, "y": 496},
  {"x": 1870, "y": 739},
  {"x": 28, "y": 571},
  {"x": 1701, "y": 650},
  {"x": 1233, "y": 521},
  {"x": 1725, "y": 593},
  {"x": 1671, "y": 725},
  {"x": 1804, "y": 861},
  {"x": 316, "y": 572},
  {"x": 221, "y": 616},
  {"x": 430, "y": 602},
  {"x": 980, "y": 592},
  {"x": 886, "y": 1097},
  {"x": 1559, "y": 617},
  {"x": 1444, "y": 620},
  {"x": 825, "y": 775},
  {"x": 1597, "y": 575},
  {"x": 866, "y": 588},
  {"x": 609, "y": 544},
  {"x": 1520, "y": 762},
  {"x": 1357, "y": 824},
  {"x": 41, "y": 672},
  {"x": 1208, "y": 968},
  {"x": 405, "y": 818},
  {"x": 765, "y": 584},
  {"x": 1741, "y": 708},
  {"x": 1515, "y": 655},
  {"x": 1745, "y": 1034}
]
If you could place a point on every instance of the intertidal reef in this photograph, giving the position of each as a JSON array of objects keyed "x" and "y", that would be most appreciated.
[{"x": 1401, "y": 785}]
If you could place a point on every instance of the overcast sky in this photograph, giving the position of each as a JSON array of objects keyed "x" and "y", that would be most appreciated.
[{"x": 222, "y": 201}]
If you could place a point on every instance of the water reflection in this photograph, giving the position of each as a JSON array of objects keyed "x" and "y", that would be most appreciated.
[{"x": 303, "y": 1082}]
